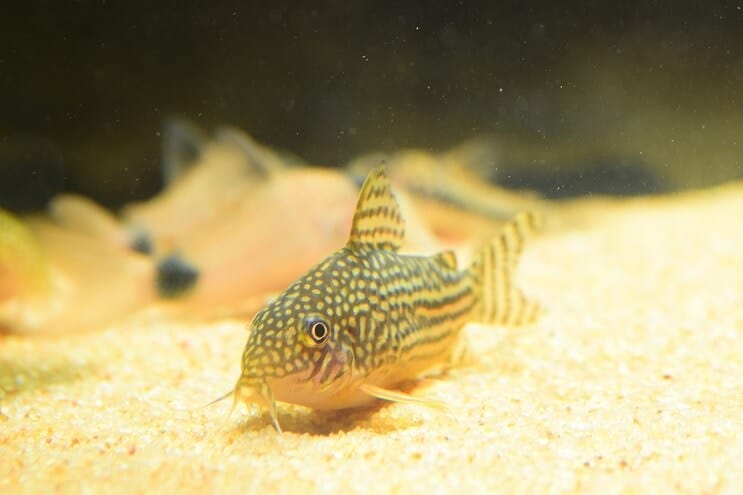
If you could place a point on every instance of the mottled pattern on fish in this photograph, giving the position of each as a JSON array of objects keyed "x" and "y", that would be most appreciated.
[{"x": 367, "y": 318}]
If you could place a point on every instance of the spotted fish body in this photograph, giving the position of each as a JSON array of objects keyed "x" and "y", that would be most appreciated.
[{"x": 367, "y": 318}]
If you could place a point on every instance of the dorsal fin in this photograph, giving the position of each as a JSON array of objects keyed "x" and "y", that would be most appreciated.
[{"x": 377, "y": 222}]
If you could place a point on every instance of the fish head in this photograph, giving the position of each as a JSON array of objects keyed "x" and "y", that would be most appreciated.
[{"x": 300, "y": 347}]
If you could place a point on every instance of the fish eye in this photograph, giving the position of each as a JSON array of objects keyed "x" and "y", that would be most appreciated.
[{"x": 318, "y": 329}]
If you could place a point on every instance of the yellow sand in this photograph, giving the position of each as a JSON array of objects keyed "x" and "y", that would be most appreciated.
[{"x": 632, "y": 382}]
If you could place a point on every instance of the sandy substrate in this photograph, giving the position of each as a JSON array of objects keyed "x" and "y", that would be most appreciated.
[{"x": 631, "y": 382}]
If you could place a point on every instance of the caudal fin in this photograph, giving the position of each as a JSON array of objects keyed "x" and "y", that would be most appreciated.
[{"x": 500, "y": 301}]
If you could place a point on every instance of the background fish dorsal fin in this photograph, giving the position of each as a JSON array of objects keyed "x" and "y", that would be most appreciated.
[
  {"x": 183, "y": 142},
  {"x": 377, "y": 222},
  {"x": 259, "y": 159}
]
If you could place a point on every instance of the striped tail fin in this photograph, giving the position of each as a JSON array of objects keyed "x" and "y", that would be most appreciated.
[{"x": 493, "y": 270}]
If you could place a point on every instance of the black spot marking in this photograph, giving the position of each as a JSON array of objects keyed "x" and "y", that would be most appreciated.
[{"x": 175, "y": 276}]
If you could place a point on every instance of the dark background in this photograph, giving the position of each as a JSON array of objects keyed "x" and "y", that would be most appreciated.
[{"x": 575, "y": 92}]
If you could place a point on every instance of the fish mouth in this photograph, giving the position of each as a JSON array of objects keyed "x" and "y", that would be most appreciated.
[{"x": 333, "y": 365}]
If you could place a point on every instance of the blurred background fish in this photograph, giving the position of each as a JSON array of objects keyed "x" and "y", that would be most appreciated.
[
  {"x": 54, "y": 279},
  {"x": 202, "y": 178},
  {"x": 450, "y": 190},
  {"x": 24, "y": 270},
  {"x": 235, "y": 223}
]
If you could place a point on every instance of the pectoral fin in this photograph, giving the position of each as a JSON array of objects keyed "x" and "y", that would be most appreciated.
[{"x": 397, "y": 396}]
